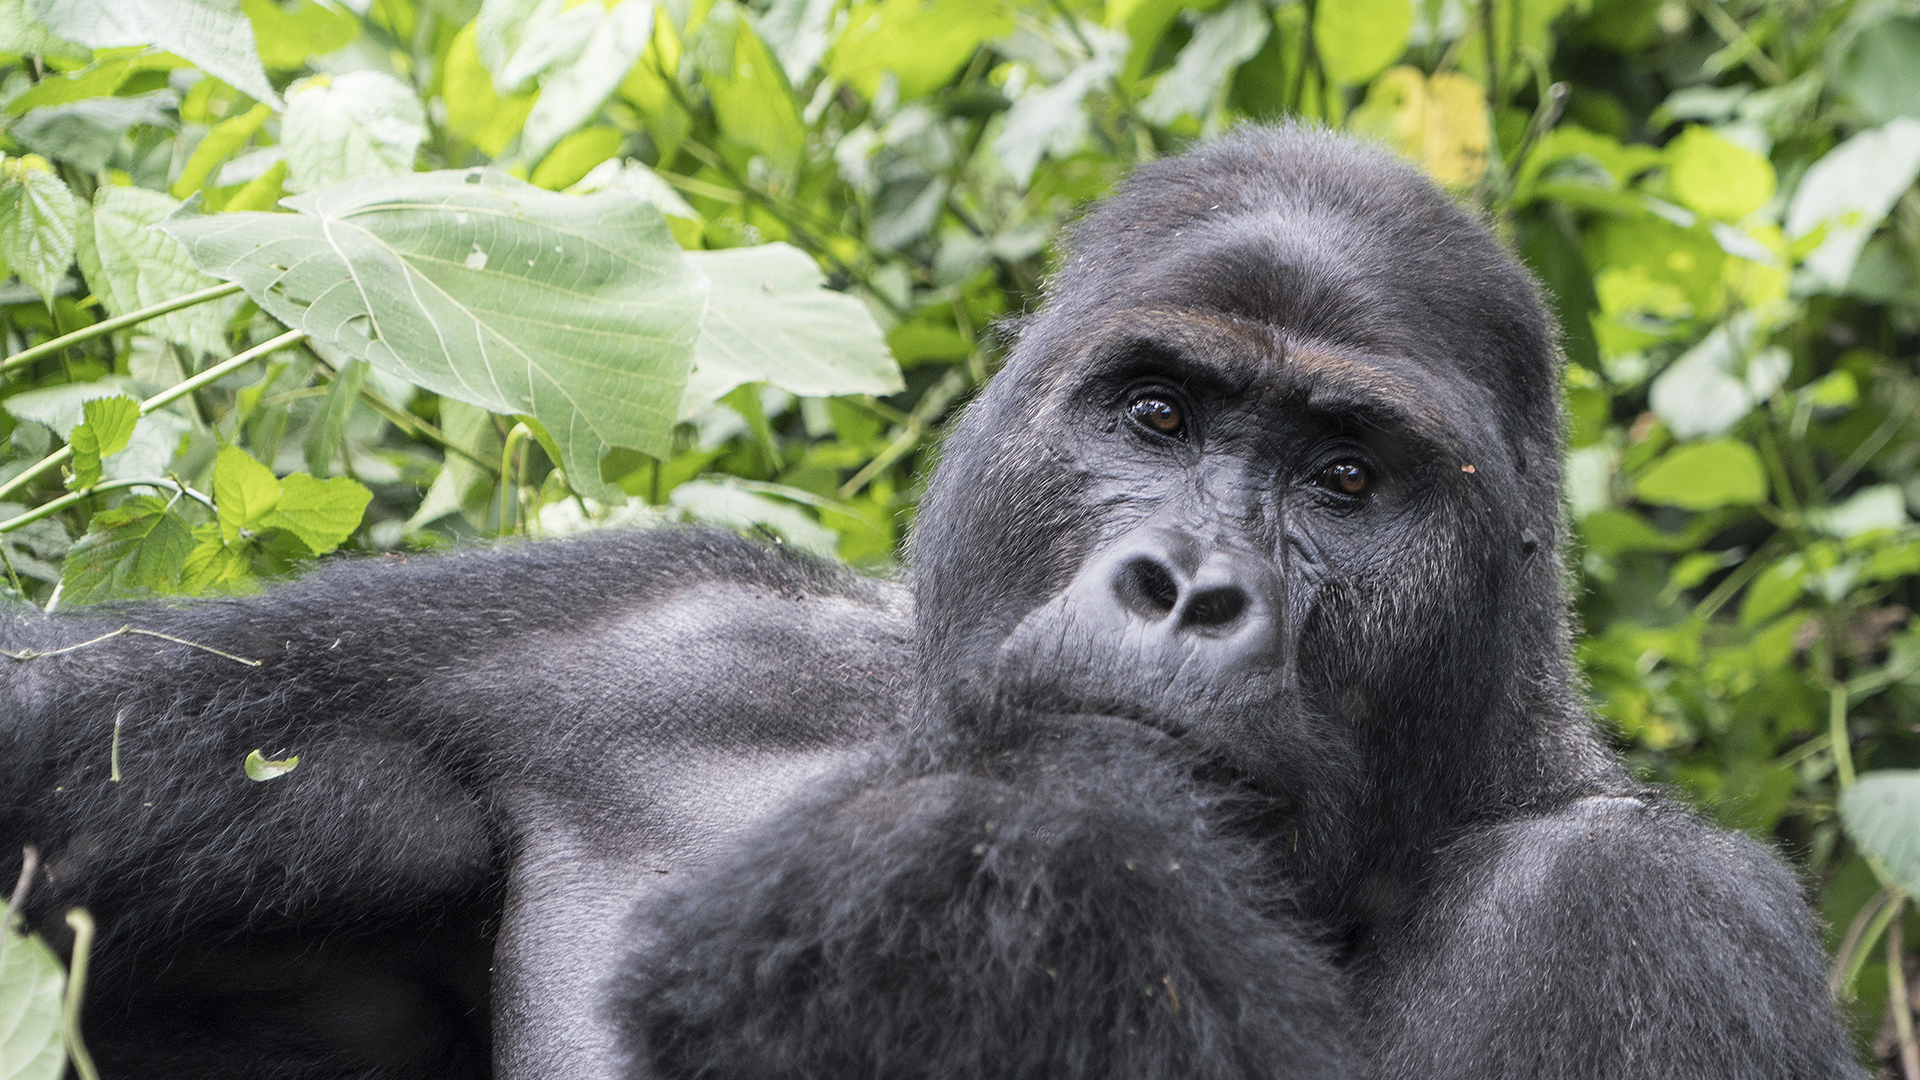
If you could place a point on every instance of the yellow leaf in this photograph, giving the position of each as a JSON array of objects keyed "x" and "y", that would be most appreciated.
[{"x": 1441, "y": 122}]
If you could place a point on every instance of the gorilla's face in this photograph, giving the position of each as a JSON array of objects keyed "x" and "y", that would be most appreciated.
[{"x": 1221, "y": 494}]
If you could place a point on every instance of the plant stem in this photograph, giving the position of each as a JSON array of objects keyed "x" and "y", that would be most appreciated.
[
  {"x": 1897, "y": 997},
  {"x": 1842, "y": 741},
  {"x": 64, "y": 501},
  {"x": 28, "y": 356},
  {"x": 163, "y": 398},
  {"x": 82, "y": 1061}
]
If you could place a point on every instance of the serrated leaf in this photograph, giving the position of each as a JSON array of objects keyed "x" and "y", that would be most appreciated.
[
  {"x": 580, "y": 310},
  {"x": 322, "y": 513},
  {"x": 245, "y": 492},
  {"x": 572, "y": 93},
  {"x": 62, "y": 407},
  {"x": 770, "y": 319},
  {"x": 32, "y": 983},
  {"x": 107, "y": 429},
  {"x": 214, "y": 34},
  {"x": 213, "y": 566},
  {"x": 343, "y": 127},
  {"x": 1221, "y": 42},
  {"x": 130, "y": 265},
  {"x": 1356, "y": 39},
  {"x": 131, "y": 549},
  {"x": 1705, "y": 475},
  {"x": 1882, "y": 814},
  {"x": 39, "y": 221},
  {"x": 260, "y": 767}
]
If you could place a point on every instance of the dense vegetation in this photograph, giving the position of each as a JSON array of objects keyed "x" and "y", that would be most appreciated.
[{"x": 289, "y": 277}]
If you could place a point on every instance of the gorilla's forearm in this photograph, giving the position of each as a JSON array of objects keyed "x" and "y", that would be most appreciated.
[{"x": 1079, "y": 907}]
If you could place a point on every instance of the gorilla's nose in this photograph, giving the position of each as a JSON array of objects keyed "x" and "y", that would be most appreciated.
[
  {"x": 1172, "y": 586},
  {"x": 1212, "y": 603}
]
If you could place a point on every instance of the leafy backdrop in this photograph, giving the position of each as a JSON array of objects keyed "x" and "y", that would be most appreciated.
[{"x": 288, "y": 277}]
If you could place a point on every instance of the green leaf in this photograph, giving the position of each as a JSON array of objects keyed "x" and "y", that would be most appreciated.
[
  {"x": 287, "y": 38},
  {"x": 1357, "y": 39},
  {"x": 580, "y": 310},
  {"x": 1716, "y": 178},
  {"x": 212, "y": 566},
  {"x": 1850, "y": 191},
  {"x": 322, "y": 513},
  {"x": 107, "y": 429},
  {"x": 62, "y": 406},
  {"x": 475, "y": 112},
  {"x": 1718, "y": 381},
  {"x": 1882, "y": 814},
  {"x": 23, "y": 35},
  {"x": 1701, "y": 476},
  {"x": 572, "y": 91},
  {"x": 721, "y": 502},
  {"x": 1052, "y": 120},
  {"x": 1221, "y": 42},
  {"x": 751, "y": 99},
  {"x": 32, "y": 982},
  {"x": 329, "y": 428},
  {"x": 39, "y": 222},
  {"x": 260, "y": 767},
  {"x": 130, "y": 265},
  {"x": 769, "y": 319},
  {"x": 1880, "y": 73},
  {"x": 343, "y": 127},
  {"x": 922, "y": 44},
  {"x": 245, "y": 492},
  {"x": 1773, "y": 591},
  {"x": 132, "y": 549},
  {"x": 219, "y": 144},
  {"x": 211, "y": 33},
  {"x": 1882, "y": 506},
  {"x": 575, "y": 156}
]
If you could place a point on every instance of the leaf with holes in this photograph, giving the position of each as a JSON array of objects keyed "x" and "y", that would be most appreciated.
[{"x": 580, "y": 310}]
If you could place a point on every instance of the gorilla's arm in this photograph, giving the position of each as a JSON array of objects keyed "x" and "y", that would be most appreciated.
[
  {"x": 576, "y": 722},
  {"x": 1618, "y": 938}
]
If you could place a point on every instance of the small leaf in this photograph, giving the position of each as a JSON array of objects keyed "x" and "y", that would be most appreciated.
[
  {"x": 329, "y": 429},
  {"x": 133, "y": 549},
  {"x": 1773, "y": 591},
  {"x": 1882, "y": 814},
  {"x": 1702, "y": 476},
  {"x": 1850, "y": 191},
  {"x": 39, "y": 223},
  {"x": 751, "y": 99},
  {"x": 475, "y": 112},
  {"x": 219, "y": 144},
  {"x": 1221, "y": 42},
  {"x": 922, "y": 44},
  {"x": 32, "y": 1046},
  {"x": 769, "y": 319},
  {"x": 213, "y": 34},
  {"x": 1357, "y": 39},
  {"x": 214, "y": 566},
  {"x": 572, "y": 93},
  {"x": 322, "y": 513},
  {"x": 1715, "y": 177},
  {"x": 262, "y": 768},
  {"x": 343, "y": 127},
  {"x": 287, "y": 38},
  {"x": 107, "y": 429},
  {"x": 245, "y": 492}
]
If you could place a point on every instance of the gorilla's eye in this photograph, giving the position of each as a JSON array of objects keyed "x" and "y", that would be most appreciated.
[
  {"x": 1157, "y": 413},
  {"x": 1346, "y": 477}
]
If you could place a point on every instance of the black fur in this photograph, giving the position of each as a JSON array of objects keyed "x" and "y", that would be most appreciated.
[{"x": 1350, "y": 719}]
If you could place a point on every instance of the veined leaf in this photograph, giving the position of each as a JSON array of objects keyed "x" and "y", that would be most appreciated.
[
  {"x": 322, "y": 513},
  {"x": 245, "y": 492},
  {"x": 1882, "y": 814},
  {"x": 340, "y": 128},
  {"x": 1221, "y": 42},
  {"x": 769, "y": 320},
  {"x": 39, "y": 222},
  {"x": 130, "y": 265},
  {"x": 107, "y": 429},
  {"x": 580, "y": 310},
  {"x": 214, "y": 34},
  {"x": 132, "y": 549}
]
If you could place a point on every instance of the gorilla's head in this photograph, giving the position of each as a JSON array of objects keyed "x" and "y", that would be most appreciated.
[{"x": 1276, "y": 470}]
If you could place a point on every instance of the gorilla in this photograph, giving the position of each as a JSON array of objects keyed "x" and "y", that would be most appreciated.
[{"x": 1227, "y": 728}]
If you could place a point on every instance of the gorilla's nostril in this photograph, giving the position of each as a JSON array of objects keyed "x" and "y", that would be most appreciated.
[
  {"x": 1215, "y": 607},
  {"x": 1148, "y": 587}
]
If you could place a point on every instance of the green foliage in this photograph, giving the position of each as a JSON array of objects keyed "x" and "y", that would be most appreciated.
[
  {"x": 559, "y": 263},
  {"x": 31, "y": 984}
]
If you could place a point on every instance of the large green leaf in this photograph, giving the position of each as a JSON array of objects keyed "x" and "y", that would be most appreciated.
[
  {"x": 133, "y": 549},
  {"x": 1701, "y": 476},
  {"x": 580, "y": 310},
  {"x": 1716, "y": 177},
  {"x": 214, "y": 34},
  {"x": 130, "y": 265},
  {"x": 1882, "y": 814},
  {"x": 39, "y": 220},
  {"x": 769, "y": 320},
  {"x": 31, "y": 982}
]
